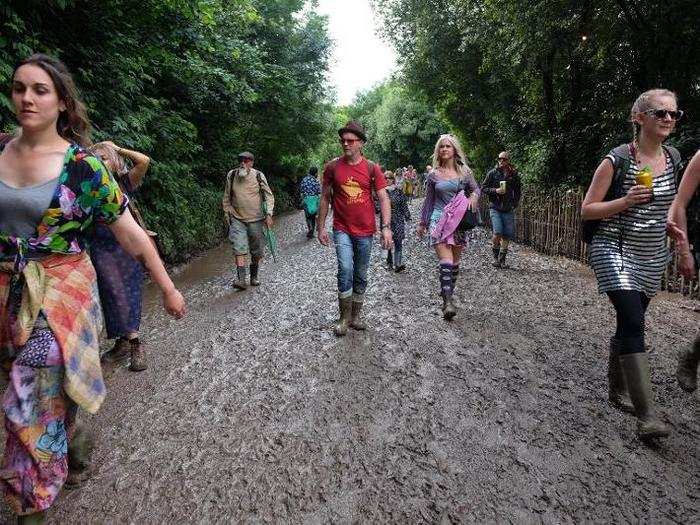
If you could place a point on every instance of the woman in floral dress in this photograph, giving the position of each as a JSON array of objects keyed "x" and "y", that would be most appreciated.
[{"x": 49, "y": 310}]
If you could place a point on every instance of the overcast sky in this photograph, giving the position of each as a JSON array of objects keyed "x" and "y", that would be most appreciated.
[{"x": 360, "y": 58}]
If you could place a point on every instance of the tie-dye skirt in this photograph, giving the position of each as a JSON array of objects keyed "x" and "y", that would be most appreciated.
[{"x": 38, "y": 418}]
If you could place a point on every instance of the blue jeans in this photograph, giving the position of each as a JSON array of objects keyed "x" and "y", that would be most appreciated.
[
  {"x": 353, "y": 262},
  {"x": 503, "y": 223}
]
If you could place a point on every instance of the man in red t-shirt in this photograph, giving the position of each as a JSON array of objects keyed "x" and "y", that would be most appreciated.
[{"x": 348, "y": 182}]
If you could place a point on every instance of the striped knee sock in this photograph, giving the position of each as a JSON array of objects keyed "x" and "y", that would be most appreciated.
[
  {"x": 455, "y": 274},
  {"x": 445, "y": 278}
]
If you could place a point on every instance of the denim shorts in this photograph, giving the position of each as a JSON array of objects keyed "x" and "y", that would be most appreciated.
[
  {"x": 246, "y": 237},
  {"x": 503, "y": 223}
]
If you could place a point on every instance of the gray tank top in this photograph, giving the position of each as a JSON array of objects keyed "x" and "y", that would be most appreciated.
[{"x": 21, "y": 209}]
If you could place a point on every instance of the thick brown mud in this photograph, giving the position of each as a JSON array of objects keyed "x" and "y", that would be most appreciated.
[{"x": 253, "y": 411}]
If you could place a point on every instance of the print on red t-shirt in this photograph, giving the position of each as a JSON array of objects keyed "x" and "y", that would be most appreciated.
[{"x": 353, "y": 209}]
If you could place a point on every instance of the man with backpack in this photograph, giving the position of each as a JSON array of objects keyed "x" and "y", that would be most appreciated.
[
  {"x": 310, "y": 191},
  {"x": 348, "y": 183},
  {"x": 503, "y": 187},
  {"x": 248, "y": 205}
]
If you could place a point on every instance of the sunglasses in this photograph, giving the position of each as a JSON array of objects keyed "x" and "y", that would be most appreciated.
[
  {"x": 503, "y": 158},
  {"x": 349, "y": 141},
  {"x": 660, "y": 114}
]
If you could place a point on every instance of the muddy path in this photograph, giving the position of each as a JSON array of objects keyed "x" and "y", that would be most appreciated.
[{"x": 253, "y": 411}]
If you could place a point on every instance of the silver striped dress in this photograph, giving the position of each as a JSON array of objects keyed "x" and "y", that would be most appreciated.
[{"x": 629, "y": 252}]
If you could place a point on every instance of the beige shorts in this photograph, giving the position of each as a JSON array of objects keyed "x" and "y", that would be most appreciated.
[{"x": 246, "y": 237}]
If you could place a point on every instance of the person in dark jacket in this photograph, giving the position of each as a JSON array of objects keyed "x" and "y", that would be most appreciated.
[
  {"x": 503, "y": 187},
  {"x": 400, "y": 214}
]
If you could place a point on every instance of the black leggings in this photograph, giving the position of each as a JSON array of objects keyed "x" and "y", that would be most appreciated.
[{"x": 630, "y": 306}]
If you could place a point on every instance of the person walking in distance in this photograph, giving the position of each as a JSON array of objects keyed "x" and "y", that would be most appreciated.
[
  {"x": 348, "y": 183},
  {"x": 248, "y": 205},
  {"x": 310, "y": 191},
  {"x": 450, "y": 176},
  {"x": 630, "y": 197},
  {"x": 688, "y": 249},
  {"x": 503, "y": 187},
  {"x": 400, "y": 214},
  {"x": 119, "y": 275}
]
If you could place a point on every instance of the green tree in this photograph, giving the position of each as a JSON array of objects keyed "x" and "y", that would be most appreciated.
[{"x": 191, "y": 83}]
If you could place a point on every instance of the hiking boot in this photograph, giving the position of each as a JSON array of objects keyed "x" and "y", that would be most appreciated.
[
  {"x": 254, "y": 281},
  {"x": 138, "y": 356},
  {"x": 345, "y": 307},
  {"x": 355, "y": 321},
  {"x": 687, "y": 372},
  {"x": 502, "y": 258},
  {"x": 118, "y": 352},
  {"x": 32, "y": 519},
  {"x": 617, "y": 390},
  {"x": 636, "y": 372},
  {"x": 448, "y": 307}
]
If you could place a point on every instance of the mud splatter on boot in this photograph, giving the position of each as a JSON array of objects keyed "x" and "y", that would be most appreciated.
[{"x": 617, "y": 389}]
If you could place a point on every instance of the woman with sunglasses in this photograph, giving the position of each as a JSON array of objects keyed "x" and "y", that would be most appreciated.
[
  {"x": 450, "y": 176},
  {"x": 52, "y": 192},
  {"x": 687, "y": 372},
  {"x": 628, "y": 251}
]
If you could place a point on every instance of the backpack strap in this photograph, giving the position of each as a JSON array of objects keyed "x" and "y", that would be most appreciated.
[
  {"x": 621, "y": 164},
  {"x": 263, "y": 197},
  {"x": 370, "y": 167},
  {"x": 676, "y": 161}
]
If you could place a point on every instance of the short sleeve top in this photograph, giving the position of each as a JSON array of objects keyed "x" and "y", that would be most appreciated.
[{"x": 86, "y": 194}]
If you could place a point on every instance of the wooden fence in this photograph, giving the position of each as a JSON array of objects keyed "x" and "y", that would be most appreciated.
[{"x": 551, "y": 224}]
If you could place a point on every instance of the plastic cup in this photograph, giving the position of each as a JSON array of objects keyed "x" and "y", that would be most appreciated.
[{"x": 503, "y": 185}]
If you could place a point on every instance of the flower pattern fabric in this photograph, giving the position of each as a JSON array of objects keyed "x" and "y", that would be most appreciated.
[
  {"x": 86, "y": 193},
  {"x": 49, "y": 323}
]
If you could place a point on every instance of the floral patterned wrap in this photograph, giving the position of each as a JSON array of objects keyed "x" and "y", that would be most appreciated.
[
  {"x": 56, "y": 277},
  {"x": 86, "y": 193}
]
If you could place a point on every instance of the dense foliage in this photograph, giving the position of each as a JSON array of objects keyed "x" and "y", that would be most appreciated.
[
  {"x": 552, "y": 80},
  {"x": 401, "y": 125},
  {"x": 191, "y": 83}
]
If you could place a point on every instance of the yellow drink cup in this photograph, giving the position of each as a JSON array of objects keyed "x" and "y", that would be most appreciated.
[{"x": 645, "y": 178}]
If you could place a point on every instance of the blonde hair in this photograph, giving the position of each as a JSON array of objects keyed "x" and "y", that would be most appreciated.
[
  {"x": 460, "y": 158},
  {"x": 115, "y": 159},
  {"x": 643, "y": 103}
]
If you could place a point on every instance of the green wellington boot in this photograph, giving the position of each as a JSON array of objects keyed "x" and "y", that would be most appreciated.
[
  {"x": 355, "y": 319},
  {"x": 687, "y": 372},
  {"x": 636, "y": 371},
  {"x": 617, "y": 389},
  {"x": 80, "y": 450},
  {"x": 345, "y": 307},
  {"x": 32, "y": 519}
]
